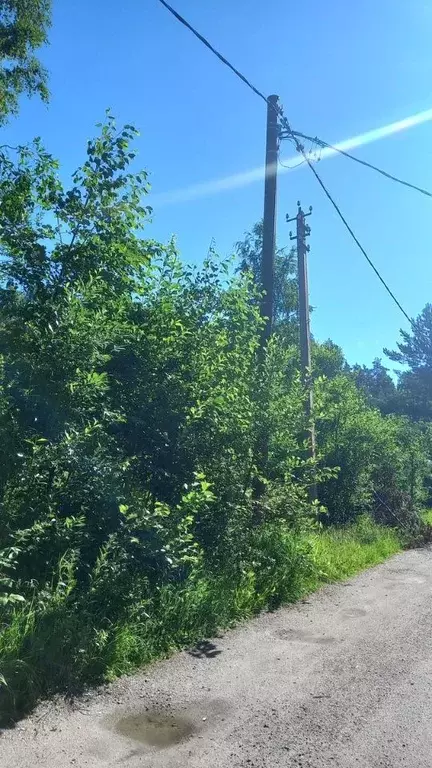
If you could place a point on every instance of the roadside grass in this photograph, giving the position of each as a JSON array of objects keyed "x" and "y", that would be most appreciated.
[
  {"x": 69, "y": 645},
  {"x": 427, "y": 516},
  {"x": 341, "y": 552}
]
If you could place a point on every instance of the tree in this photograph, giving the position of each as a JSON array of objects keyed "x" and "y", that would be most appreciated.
[
  {"x": 249, "y": 252},
  {"x": 381, "y": 460},
  {"x": 23, "y": 29},
  {"x": 415, "y": 351},
  {"x": 414, "y": 394},
  {"x": 328, "y": 359},
  {"x": 377, "y": 385},
  {"x": 131, "y": 405}
]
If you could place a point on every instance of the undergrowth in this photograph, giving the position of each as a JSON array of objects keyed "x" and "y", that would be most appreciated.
[
  {"x": 139, "y": 417},
  {"x": 427, "y": 516},
  {"x": 69, "y": 645},
  {"x": 342, "y": 552}
]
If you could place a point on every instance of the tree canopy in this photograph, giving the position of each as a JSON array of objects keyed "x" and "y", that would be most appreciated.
[
  {"x": 414, "y": 351},
  {"x": 23, "y": 29},
  {"x": 377, "y": 385},
  {"x": 249, "y": 252}
]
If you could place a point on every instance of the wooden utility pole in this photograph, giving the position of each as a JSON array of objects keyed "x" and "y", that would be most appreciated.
[
  {"x": 267, "y": 272},
  {"x": 303, "y": 230},
  {"x": 269, "y": 220}
]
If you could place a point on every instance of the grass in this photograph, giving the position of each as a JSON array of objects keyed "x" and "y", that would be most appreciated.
[
  {"x": 427, "y": 516},
  {"x": 341, "y": 552},
  {"x": 68, "y": 645}
]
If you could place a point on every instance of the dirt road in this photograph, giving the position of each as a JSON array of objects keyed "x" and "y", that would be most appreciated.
[{"x": 344, "y": 679}]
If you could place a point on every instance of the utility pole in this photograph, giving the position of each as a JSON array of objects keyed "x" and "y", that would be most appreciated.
[
  {"x": 269, "y": 220},
  {"x": 267, "y": 271},
  {"x": 303, "y": 231}
]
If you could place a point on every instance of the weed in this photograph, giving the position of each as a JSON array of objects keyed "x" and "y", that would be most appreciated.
[{"x": 70, "y": 645}]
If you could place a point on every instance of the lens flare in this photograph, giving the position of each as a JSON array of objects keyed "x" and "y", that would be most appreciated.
[
  {"x": 238, "y": 180},
  {"x": 379, "y": 133}
]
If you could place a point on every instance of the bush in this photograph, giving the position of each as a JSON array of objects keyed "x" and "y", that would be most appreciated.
[
  {"x": 134, "y": 409},
  {"x": 381, "y": 460}
]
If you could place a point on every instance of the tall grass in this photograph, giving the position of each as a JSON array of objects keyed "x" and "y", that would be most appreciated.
[
  {"x": 427, "y": 516},
  {"x": 65, "y": 647},
  {"x": 342, "y": 552}
]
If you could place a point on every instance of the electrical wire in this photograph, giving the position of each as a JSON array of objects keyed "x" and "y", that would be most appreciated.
[
  {"x": 290, "y": 167},
  {"x": 298, "y": 134},
  {"x": 213, "y": 50},
  {"x": 309, "y": 153},
  {"x": 387, "y": 175},
  {"x": 301, "y": 150},
  {"x": 294, "y": 137}
]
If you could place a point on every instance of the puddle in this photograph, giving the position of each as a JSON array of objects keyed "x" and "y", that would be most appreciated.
[{"x": 155, "y": 729}]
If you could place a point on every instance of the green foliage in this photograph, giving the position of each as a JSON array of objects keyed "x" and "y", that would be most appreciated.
[
  {"x": 327, "y": 359},
  {"x": 414, "y": 394},
  {"x": 70, "y": 644},
  {"x": 415, "y": 351},
  {"x": 7, "y": 569},
  {"x": 377, "y": 385},
  {"x": 131, "y": 408},
  {"x": 248, "y": 252},
  {"x": 130, "y": 403},
  {"x": 382, "y": 460},
  {"x": 341, "y": 552},
  {"x": 23, "y": 29}
]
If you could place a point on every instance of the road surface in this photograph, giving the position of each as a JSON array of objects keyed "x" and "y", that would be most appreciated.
[{"x": 342, "y": 679}]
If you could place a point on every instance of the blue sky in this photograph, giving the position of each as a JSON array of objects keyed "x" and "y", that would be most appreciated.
[{"x": 339, "y": 68}]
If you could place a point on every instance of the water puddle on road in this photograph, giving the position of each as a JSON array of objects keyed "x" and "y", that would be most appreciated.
[{"x": 155, "y": 729}]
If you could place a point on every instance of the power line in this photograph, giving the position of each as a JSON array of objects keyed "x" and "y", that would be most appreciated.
[
  {"x": 294, "y": 136},
  {"x": 302, "y": 162},
  {"x": 213, "y": 50},
  {"x": 324, "y": 144},
  {"x": 314, "y": 140},
  {"x": 290, "y": 167},
  {"x": 300, "y": 149}
]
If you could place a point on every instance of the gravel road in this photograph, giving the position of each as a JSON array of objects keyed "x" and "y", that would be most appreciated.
[{"x": 342, "y": 679}]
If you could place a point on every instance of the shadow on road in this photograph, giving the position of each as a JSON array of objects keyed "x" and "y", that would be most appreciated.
[{"x": 204, "y": 649}]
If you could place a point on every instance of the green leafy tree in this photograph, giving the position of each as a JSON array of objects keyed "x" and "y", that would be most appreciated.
[
  {"x": 415, "y": 351},
  {"x": 127, "y": 379},
  {"x": 249, "y": 253},
  {"x": 381, "y": 460},
  {"x": 131, "y": 405},
  {"x": 23, "y": 28},
  {"x": 327, "y": 359},
  {"x": 377, "y": 385},
  {"x": 71, "y": 265}
]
